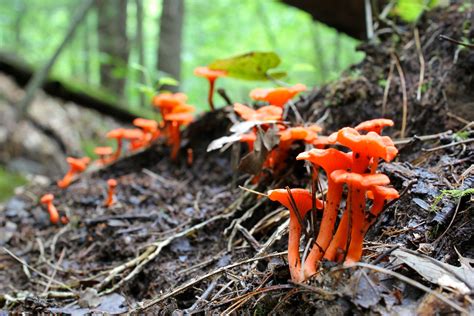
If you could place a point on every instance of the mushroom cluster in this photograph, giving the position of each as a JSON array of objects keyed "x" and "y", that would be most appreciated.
[{"x": 354, "y": 172}]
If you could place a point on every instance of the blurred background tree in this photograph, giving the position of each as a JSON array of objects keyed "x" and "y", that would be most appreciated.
[{"x": 117, "y": 36}]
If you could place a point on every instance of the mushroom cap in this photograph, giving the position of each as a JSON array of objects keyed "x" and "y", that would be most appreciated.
[
  {"x": 47, "y": 198},
  {"x": 169, "y": 100},
  {"x": 180, "y": 118},
  {"x": 78, "y": 164},
  {"x": 132, "y": 134},
  {"x": 384, "y": 192},
  {"x": 147, "y": 125},
  {"x": 321, "y": 141},
  {"x": 329, "y": 159},
  {"x": 112, "y": 183},
  {"x": 183, "y": 108},
  {"x": 103, "y": 151},
  {"x": 370, "y": 144},
  {"x": 359, "y": 180},
  {"x": 302, "y": 197},
  {"x": 265, "y": 113},
  {"x": 298, "y": 133},
  {"x": 115, "y": 133},
  {"x": 208, "y": 73},
  {"x": 277, "y": 96},
  {"x": 374, "y": 125}
]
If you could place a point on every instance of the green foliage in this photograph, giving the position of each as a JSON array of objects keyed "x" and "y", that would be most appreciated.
[
  {"x": 453, "y": 194},
  {"x": 250, "y": 66},
  {"x": 8, "y": 181},
  {"x": 410, "y": 10}
]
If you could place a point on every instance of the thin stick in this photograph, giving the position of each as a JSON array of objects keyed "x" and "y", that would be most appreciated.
[
  {"x": 387, "y": 88},
  {"x": 411, "y": 282},
  {"x": 452, "y": 40},
  {"x": 466, "y": 141},
  {"x": 422, "y": 63},
  {"x": 252, "y": 191},
  {"x": 404, "y": 94}
]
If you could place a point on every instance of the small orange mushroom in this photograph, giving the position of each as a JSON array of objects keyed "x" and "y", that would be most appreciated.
[
  {"x": 76, "y": 165},
  {"x": 379, "y": 194},
  {"x": 112, "y": 184},
  {"x": 176, "y": 120},
  {"x": 211, "y": 75},
  {"x": 303, "y": 203},
  {"x": 104, "y": 154},
  {"x": 375, "y": 125},
  {"x": 149, "y": 127},
  {"x": 116, "y": 134},
  {"x": 165, "y": 102},
  {"x": 265, "y": 113},
  {"x": 47, "y": 200},
  {"x": 277, "y": 96},
  {"x": 190, "y": 156}
]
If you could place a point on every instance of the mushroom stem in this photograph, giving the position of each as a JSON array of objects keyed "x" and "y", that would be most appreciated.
[
  {"x": 53, "y": 213},
  {"x": 112, "y": 184},
  {"x": 118, "y": 151},
  {"x": 354, "y": 252},
  {"x": 175, "y": 140},
  {"x": 328, "y": 221},
  {"x": 339, "y": 240},
  {"x": 66, "y": 180},
  {"x": 211, "y": 93}
]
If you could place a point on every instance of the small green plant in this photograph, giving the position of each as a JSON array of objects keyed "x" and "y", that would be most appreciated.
[{"x": 453, "y": 194}]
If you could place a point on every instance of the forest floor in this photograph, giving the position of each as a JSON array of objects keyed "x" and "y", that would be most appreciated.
[{"x": 186, "y": 237}]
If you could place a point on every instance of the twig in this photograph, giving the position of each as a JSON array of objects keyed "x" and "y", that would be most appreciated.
[
  {"x": 422, "y": 138},
  {"x": 387, "y": 88},
  {"x": 203, "y": 297},
  {"x": 190, "y": 283},
  {"x": 36, "y": 270},
  {"x": 466, "y": 141},
  {"x": 224, "y": 95},
  {"x": 404, "y": 94},
  {"x": 450, "y": 223},
  {"x": 248, "y": 237},
  {"x": 452, "y": 40},
  {"x": 422, "y": 63},
  {"x": 414, "y": 283},
  {"x": 60, "y": 260}
]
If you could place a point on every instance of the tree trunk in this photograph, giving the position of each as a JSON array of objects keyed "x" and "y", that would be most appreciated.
[
  {"x": 113, "y": 43},
  {"x": 169, "y": 47},
  {"x": 140, "y": 47}
]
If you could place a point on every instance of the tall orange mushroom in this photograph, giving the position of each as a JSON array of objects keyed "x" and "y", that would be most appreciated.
[
  {"x": 353, "y": 222},
  {"x": 211, "y": 75},
  {"x": 277, "y": 96},
  {"x": 299, "y": 202},
  {"x": 330, "y": 160},
  {"x": 76, "y": 165},
  {"x": 265, "y": 113},
  {"x": 165, "y": 102},
  {"x": 116, "y": 134},
  {"x": 104, "y": 154},
  {"x": 111, "y": 184}
]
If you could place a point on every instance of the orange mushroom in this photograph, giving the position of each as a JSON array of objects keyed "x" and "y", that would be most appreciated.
[
  {"x": 375, "y": 125},
  {"x": 265, "y": 113},
  {"x": 176, "y": 120},
  {"x": 149, "y": 127},
  {"x": 303, "y": 203},
  {"x": 353, "y": 221},
  {"x": 379, "y": 194},
  {"x": 112, "y": 184},
  {"x": 211, "y": 75},
  {"x": 103, "y": 153},
  {"x": 330, "y": 160},
  {"x": 277, "y": 96},
  {"x": 364, "y": 147},
  {"x": 47, "y": 200},
  {"x": 134, "y": 137},
  {"x": 165, "y": 102},
  {"x": 76, "y": 165},
  {"x": 116, "y": 134}
]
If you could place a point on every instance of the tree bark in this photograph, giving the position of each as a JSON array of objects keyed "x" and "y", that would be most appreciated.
[
  {"x": 169, "y": 47},
  {"x": 113, "y": 43},
  {"x": 140, "y": 47}
]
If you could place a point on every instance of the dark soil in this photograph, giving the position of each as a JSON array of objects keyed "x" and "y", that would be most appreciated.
[{"x": 159, "y": 202}]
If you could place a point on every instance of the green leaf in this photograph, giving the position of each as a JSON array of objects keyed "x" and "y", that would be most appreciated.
[
  {"x": 250, "y": 66},
  {"x": 167, "y": 81}
]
